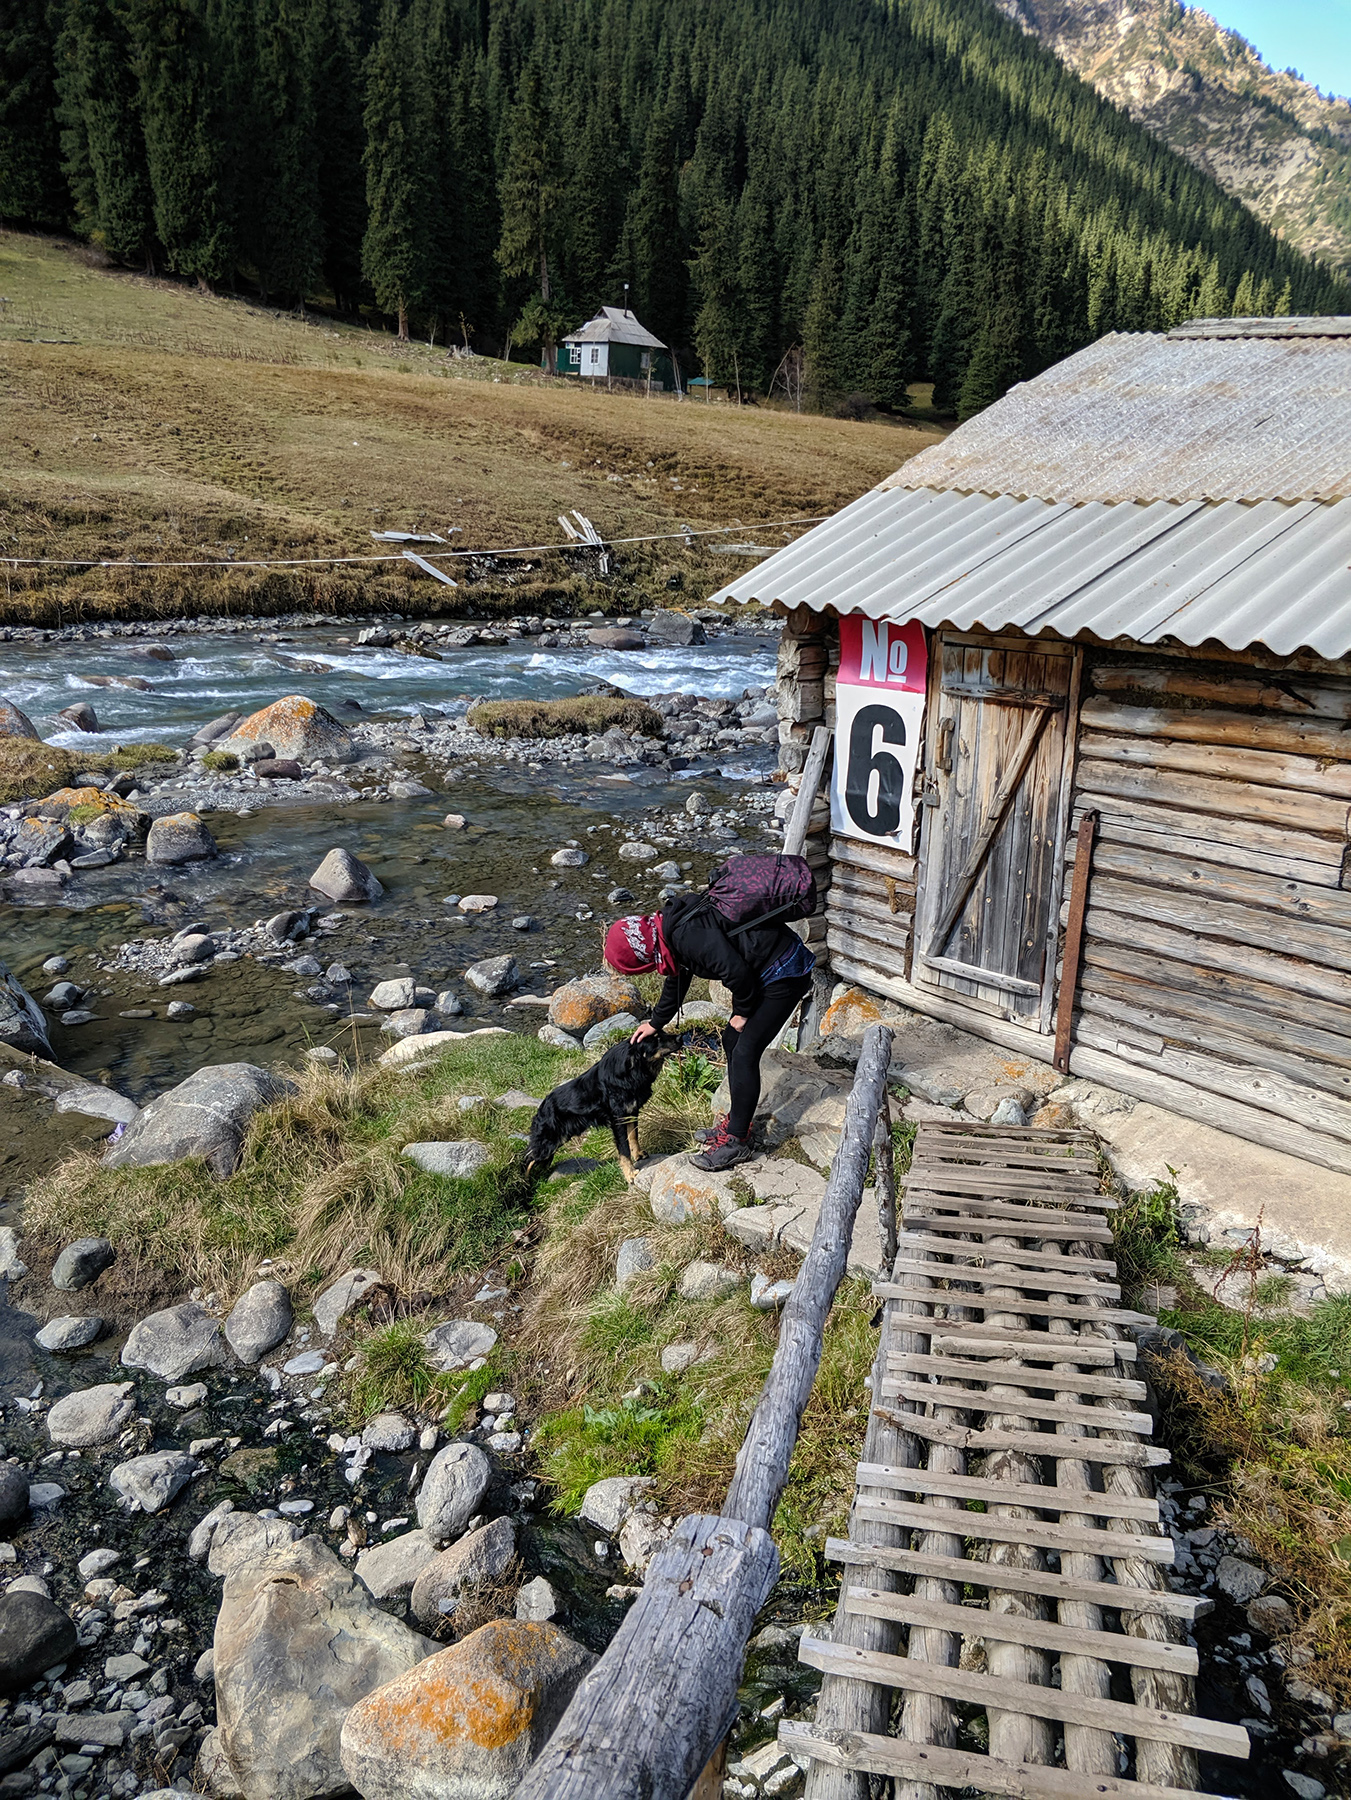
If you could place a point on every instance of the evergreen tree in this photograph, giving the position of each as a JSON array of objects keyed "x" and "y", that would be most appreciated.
[
  {"x": 285, "y": 237},
  {"x": 653, "y": 239},
  {"x": 719, "y": 323},
  {"x": 339, "y": 141},
  {"x": 396, "y": 254},
  {"x": 102, "y": 140},
  {"x": 531, "y": 194},
  {"x": 32, "y": 187}
]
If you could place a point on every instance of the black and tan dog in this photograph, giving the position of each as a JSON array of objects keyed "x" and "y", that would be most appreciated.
[{"x": 612, "y": 1093}]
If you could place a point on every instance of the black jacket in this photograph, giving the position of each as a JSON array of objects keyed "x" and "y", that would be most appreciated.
[{"x": 697, "y": 937}]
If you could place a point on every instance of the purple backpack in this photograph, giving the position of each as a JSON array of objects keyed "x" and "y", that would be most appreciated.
[{"x": 753, "y": 890}]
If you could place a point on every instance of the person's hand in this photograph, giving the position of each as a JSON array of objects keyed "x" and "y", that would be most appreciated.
[
  {"x": 646, "y": 1030},
  {"x": 737, "y": 1022}
]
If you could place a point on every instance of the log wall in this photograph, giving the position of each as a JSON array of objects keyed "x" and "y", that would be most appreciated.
[{"x": 809, "y": 653}]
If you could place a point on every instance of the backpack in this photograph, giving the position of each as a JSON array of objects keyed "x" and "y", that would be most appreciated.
[{"x": 753, "y": 890}]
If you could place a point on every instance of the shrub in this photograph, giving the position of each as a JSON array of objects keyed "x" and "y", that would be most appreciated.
[
  {"x": 559, "y": 718},
  {"x": 220, "y": 760}
]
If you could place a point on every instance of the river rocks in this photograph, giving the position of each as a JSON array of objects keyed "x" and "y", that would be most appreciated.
[
  {"x": 240, "y": 1542},
  {"x": 174, "y": 1343},
  {"x": 578, "y": 1005},
  {"x": 179, "y": 838},
  {"x": 1271, "y": 1614},
  {"x": 637, "y": 852},
  {"x": 459, "y": 1342},
  {"x": 15, "y": 723},
  {"x": 22, "y": 1025},
  {"x": 34, "y": 1635},
  {"x": 569, "y": 858},
  {"x": 69, "y": 1332},
  {"x": 666, "y": 627},
  {"x": 338, "y": 1299},
  {"x": 1238, "y": 1580},
  {"x": 13, "y": 1493},
  {"x": 457, "y": 1158},
  {"x": 557, "y": 1038},
  {"x": 206, "y": 1115},
  {"x": 82, "y": 1262},
  {"x": 495, "y": 975},
  {"x": 635, "y": 1255},
  {"x": 297, "y": 729},
  {"x": 298, "y": 1642},
  {"x": 454, "y": 821},
  {"x": 408, "y": 1022},
  {"x": 82, "y": 716},
  {"x": 393, "y": 1567},
  {"x": 477, "y": 903},
  {"x": 616, "y": 1026},
  {"x": 394, "y": 996},
  {"x": 709, "y": 1281},
  {"x": 148, "y": 1483},
  {"x": 537, "y": 1601},
  {"x": 388, "y": 1431},
  {"x": 344, "y": 878},
  {"x": 91, "y": 1415},
  {"x": 467, "y": 1722},
  {"x": 606, "y": 1504},
  {"x": 12, "y": 1266},
  {"x": 456, "y": 1480},
  {"x": 196, "y": 947},
  {"x": 259, "y": 1320},
  {"x": 480, "y": 1556},
  {"x": 614, "y": 637}
]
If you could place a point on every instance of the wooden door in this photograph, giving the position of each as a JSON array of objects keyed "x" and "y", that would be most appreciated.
[{"x": 996, "y": 798}]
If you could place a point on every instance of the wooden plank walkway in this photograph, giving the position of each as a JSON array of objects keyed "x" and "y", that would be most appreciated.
[{"x": 1005, "y": 1566}]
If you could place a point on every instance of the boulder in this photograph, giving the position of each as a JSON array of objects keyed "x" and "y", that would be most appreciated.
[
  {"x": 342, "y": 877},
  {"x": 148, "y": 1483},
  {"x": 392, "y": 1568},
  {"x": 578, "y": 1005},
  {"x": 493, "y": 976},
  {"x": 22, "y": 1025},
  {"x": 69, "y": 1332},
  {"x": 1238, "y": 1580},
  {"x": 12, "y": 1265},
  {"x": 206, "y": 1115},
  {"x": 13, "y": 1493},
  {"x": 175, "y": 1342},
  {"x": 459, "y": 1342},
  {"x": 179, "y": 838},
  {"x": 239, "y": 1541},
  {"x": 298, "y": 1642},
  {"x": 679, "y": 1191},
  {"x": 606, "y": 1504},
  {"x": 91, "y": 1415},
  {"x": 667, "y": 627},
  {"x": 557, "y": 1038},
  {"x": 15, "y": 723},
  {"x": 468, "y": 1721},
  {"x": 456, "y": 1481},
  {"x": 709, "y": 1281},
  {"x": 259, "y": 1320},
  {"x": 479, "y": 1557},
  {"x": 388, "y": 1431},
  {"x": 394, "y": 996},
  {"x": 477, "y": 903},
  {"x": 537, "y": 1601},
  {"x": 638, "y": 852},
  {"x": 617, "y": 1026},
  {"x": 34, "y": 1635},
  {"x": 40, "y": 842},
  {"x": 570, "y": 857},
  {"x": 614, "y": 637},
  {"x": 82, "y": 1262},
  {"x": 458, "y": 1157},
  {"x": 278, "y": 768},
  {"x": 82, "y": 716},
  {"x": 297, "y": 730},
  {"x": 409, "y": 1021},
  {"x": 338, "y": 1299}
]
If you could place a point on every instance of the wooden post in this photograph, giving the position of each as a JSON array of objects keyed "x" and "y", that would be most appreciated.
[
  {"x": 645, "y": 1721},
  {"x": 884, "y": 1158},
  {"x": 798, "y": 820},
  {"x": 1074, "y": 942}
]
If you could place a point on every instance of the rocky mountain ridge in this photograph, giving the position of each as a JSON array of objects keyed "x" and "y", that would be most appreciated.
[{"x": 1270, "y": 138}]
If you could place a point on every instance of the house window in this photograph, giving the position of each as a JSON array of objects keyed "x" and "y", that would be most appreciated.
[
  {"x": 646, "y": 360},
  {"x": 595, "y": 356}
]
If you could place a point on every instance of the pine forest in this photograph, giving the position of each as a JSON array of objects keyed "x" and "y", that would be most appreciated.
[{"x": 872, "y": 193}]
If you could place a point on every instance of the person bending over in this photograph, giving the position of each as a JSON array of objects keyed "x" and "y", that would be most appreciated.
[{"x": 768, "y": 969}]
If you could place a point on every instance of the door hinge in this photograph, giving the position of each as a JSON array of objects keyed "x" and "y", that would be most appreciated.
[{"x": 928, "y": 793}]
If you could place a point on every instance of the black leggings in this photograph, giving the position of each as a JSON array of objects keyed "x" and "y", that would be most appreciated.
[{"x": 745, "y": 1047}]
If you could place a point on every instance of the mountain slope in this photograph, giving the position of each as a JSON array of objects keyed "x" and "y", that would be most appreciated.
[{"x": 1270, "y": 138}]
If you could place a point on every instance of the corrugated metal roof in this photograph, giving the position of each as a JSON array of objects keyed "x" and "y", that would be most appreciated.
[
  {"x": 1201, "y": 414},
  {"x": 612, "y": 325},
  {"x": 1273, "y": 573}
]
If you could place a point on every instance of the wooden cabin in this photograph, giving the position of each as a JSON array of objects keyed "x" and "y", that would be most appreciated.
[
  {"x": 1104, "y": 630},
  {"x": 614, "y": 346}
]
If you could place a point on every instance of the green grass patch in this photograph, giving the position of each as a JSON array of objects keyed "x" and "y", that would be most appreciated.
[
  {"x": 560, "y": 718},
  {"x": 30, "y": 769},
  {"x": 220, "y": 761},
  {"x": 643, "y": 1436}
]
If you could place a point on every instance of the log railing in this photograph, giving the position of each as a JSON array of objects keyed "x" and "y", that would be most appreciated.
[{"x": 644, "y": 1724}]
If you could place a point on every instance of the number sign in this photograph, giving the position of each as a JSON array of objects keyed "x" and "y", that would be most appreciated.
[{"x": 879, "y": 707}]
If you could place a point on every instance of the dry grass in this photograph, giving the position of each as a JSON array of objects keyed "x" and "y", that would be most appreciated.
[
  {"x": 142, "y": 419},
  {"x": 558, "y": 718},
  {"x": 30, "y": 769}
]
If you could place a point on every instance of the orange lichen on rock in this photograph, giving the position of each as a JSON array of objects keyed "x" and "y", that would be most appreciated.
[
  {"x": 67, "y": 800},
  {"x": 850, "y": 1014},
  {"x": 580, "y": 1004},
  {"x": 296, "y": 727}
]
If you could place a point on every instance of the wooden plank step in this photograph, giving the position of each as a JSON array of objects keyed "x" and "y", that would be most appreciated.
[
  {"x": 1209, "y": 1735},
  {"x": 1015, "y": 1277},
  {"x": 1006, "y": 1577},
  {"x": 1045, "y": 1309},
  {"x": 1111, "y": 1387},
  {"x": 1000, "y": 1153},
  {"x": 869, "y": 1753},
  {"x": 963, "y": 1336},
  {"x": 1011, "y": 1493},
  {"x": 945, "y": 1159},
  {"x": 977, "y": 1527},
  {"x": 965, "y": 1178},
  {"x": 1013, "y": 1628},
  {"x": 977, "y": 1130},
  {"x": 993, "y": 1221},
  {"x": 1014, "y": 1258},
  {"x": 1066, "y": 1412},
  {"x": 1033, "y": 1443}
]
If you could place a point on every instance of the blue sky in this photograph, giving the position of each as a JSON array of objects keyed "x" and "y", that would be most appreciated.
[{"x": 1313, "y": 36}]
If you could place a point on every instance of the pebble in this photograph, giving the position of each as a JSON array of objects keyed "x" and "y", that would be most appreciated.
[
  {"x": 191, "y": 1393},
  {"x": 309, "y": 1362},
  {"x": 179, "y": 1009}
]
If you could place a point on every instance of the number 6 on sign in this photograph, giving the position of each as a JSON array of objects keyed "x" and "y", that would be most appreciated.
[{"x": 879, "y": 706}]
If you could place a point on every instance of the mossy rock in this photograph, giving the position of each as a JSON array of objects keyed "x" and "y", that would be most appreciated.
[{"x": 253, "y": 1467}]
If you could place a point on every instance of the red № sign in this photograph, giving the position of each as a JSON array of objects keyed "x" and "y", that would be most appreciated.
[{"x": 882, "y": 654}]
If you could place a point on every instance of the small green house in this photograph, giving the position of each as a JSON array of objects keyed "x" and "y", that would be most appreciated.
[{"x": 615, "y": 347}]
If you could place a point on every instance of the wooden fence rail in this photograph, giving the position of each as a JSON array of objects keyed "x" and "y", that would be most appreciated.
[{"x": 645, "y": 1722}]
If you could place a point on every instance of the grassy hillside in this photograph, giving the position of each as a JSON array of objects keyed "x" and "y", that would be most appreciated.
[{"x": 143, "y": 419}]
